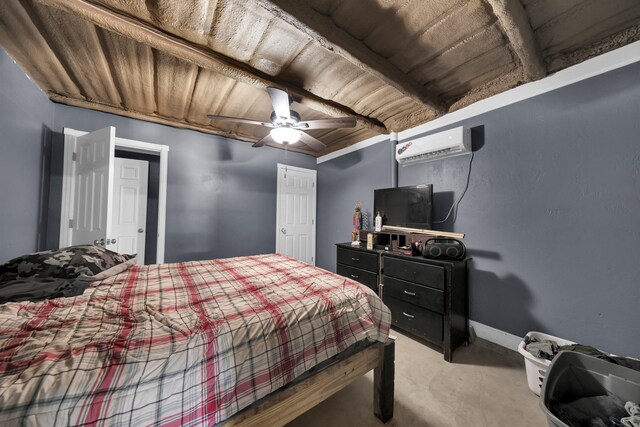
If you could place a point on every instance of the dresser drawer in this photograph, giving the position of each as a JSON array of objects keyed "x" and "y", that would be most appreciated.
[
  {"x": 358, "y": 259},
  {"x": 365, "y": 277},
  {"x": 417, "y": 272},
  {"x": 419, "y": 321},
  {"x": 419, "y": 295}
]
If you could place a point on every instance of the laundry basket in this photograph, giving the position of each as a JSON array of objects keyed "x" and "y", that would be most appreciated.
[
  {"x": 536, "y": 367},
  {"x": 574, "y": 376}
]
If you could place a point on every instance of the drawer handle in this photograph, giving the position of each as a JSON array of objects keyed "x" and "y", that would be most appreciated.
[
  {"x": 410, "y": 316},
  {"x": 355, "y": 259},
  {"x": 411, "y": 294},
  {"x": 354, "y": 276}
]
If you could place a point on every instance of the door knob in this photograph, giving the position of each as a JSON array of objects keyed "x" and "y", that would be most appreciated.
[
  {"x": 99, "y": 242},
  {"x": 140, "y": 230},
  {"x": 283, "y": 230}
]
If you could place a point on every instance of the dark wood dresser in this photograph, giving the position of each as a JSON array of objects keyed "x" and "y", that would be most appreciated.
[
  {"x": 427, "y": 297},
  {"x": 359, "y": 264}
]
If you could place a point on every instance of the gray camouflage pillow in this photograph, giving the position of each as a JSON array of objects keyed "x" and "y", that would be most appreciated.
[
  {"x": 93, "y": 260},
  {"x": 66, "y": 263}
]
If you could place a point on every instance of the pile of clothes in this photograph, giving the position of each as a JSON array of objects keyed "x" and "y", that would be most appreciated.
[
  {"x": 597, "y": 411},
  {"x": 547, "y": 349}
]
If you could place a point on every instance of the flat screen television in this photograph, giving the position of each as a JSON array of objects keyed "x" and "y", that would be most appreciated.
[{"x": 404, "y": 206}]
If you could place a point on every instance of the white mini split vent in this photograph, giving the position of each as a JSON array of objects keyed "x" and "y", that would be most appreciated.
[{"x": 452, "y": 142}]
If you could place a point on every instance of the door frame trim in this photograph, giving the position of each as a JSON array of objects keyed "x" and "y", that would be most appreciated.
[
  {"x": 66, "y": 211},
  {"x": 279, "y": 167}
]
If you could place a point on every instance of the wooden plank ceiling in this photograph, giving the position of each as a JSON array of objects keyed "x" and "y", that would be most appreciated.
[{"x": 391, "y": 64}]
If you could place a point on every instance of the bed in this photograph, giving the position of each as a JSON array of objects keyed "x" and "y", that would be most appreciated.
[{"x": 251, "y": 340}]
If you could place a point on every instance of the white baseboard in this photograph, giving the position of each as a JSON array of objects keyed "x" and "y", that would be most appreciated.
[{"x": 496, "y": 336}]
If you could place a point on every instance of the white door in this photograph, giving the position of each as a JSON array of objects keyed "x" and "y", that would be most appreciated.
[
  {"x": 296, "y": 213},
  {"x": 129, "y": 218},
  {"x": 93, "y": 192}
]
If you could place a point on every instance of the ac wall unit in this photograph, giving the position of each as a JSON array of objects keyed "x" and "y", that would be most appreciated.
[{"x": 452, "y": 142}]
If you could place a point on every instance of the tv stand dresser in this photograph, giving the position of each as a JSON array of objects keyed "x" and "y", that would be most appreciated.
[{"x": 427, "y": 297}]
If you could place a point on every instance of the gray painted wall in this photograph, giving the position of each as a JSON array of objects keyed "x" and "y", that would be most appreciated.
[
  {"x": 26, "y": 117},
  {"x": 551, "y": 213},
  {"x": 221, "y": 196},
  {"x": 342, "y": 182}
]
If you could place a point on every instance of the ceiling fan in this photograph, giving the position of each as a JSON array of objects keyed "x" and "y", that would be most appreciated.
[{"x": 286, "y": 124}]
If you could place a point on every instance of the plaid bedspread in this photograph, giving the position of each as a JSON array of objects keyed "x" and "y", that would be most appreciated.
[{"x": 177, "y": 344}]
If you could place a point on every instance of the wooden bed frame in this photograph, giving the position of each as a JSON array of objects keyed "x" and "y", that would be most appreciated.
[{"x": 284, "y": 405}]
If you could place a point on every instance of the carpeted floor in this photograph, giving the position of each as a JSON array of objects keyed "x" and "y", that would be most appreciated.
[{"x": 485, "y": 385}]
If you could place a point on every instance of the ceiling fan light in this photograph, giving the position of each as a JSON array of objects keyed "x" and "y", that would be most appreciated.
[{"x": 285, "y": 135}]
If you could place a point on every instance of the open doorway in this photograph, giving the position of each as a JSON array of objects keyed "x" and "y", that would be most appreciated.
[
  {"x": 79, "y": 203},
  {"x": 149, "y": 230}
]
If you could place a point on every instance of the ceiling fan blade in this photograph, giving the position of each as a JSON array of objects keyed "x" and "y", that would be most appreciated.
[
  {"x": 239, "y": 120},
  {"x": 266, "y": 140},
  {"x": 339, "y": 122},
  {"x": 310, "y": 141},
  {"x": 280, "y": 102}
]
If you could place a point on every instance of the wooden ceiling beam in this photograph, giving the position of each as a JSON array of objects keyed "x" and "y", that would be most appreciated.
[
  {"x": 126, "y": 26},
  {"x": 515, "y": 24},
  {"x": 321, "y": 29}
]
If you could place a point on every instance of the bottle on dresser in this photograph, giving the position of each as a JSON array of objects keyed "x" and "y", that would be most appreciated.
[{"x": 378, "y": 222}]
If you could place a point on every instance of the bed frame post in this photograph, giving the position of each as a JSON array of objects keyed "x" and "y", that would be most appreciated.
[{"x": 383, "y": 382}]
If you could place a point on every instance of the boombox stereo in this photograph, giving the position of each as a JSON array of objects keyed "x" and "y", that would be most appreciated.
[{"x": 440, "y": 248}]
